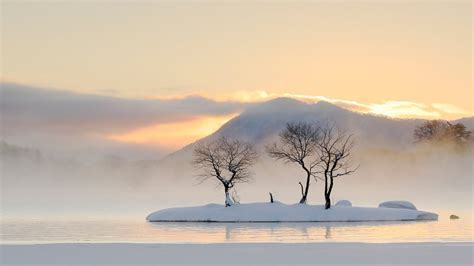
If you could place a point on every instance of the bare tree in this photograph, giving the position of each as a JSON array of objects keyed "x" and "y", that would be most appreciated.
[
  {"x": 298, "y": 144},
  {"x": 438, "y": 131},
  {"x": 334, "y": 148},
  {"x": 430, "y": 131},
  {"x": 226, "y": 160}
]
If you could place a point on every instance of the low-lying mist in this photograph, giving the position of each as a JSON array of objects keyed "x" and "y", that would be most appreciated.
[{"x": 36, "y": 186}]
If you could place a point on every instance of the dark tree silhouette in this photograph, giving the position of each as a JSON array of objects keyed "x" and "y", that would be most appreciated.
[
  {"x": 298, "y": 144},
  {"x": 227, "y": 160},
  {"x": 334, "y": 148},
  {"x": 442, "y": 131}
]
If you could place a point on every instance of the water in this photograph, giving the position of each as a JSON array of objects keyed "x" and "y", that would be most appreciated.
[{"x": 107, "y": 231}]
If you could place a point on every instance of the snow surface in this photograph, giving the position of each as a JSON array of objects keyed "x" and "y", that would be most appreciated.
[
  {"x": 280, "y": 212},
  {"x": 343, "y": 203},
  {"x": 239, "y": 254},
  {"x": 398, "y": 204}
]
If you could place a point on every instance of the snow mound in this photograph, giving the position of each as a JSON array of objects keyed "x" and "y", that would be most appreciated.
[
  {"x": 280, "y": 212},
  {"x": 398, "y": 204},
  {"x": 343, "y": 203}
]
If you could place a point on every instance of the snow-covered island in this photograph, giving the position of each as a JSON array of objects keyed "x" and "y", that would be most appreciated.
[
  {"x": 322, "y": 151},
  {"x": 280, "y": 212}
]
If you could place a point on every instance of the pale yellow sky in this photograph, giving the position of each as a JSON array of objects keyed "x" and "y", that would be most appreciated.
[{"x": 352, "y": 50}]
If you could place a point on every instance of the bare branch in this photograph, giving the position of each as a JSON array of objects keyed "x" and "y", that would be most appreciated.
[
  {"x": 335, "y": 149},
  {"x": 226, "y": 160},
  {"x": 298, "y": 144}
]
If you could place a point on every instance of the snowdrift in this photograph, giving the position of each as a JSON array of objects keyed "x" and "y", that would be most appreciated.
[
  {"x": 279, "y": 212},
  {"x": 398, "y": 204}
]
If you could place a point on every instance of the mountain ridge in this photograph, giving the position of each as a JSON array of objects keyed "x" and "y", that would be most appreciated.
[{"x": 260, "y": 122}]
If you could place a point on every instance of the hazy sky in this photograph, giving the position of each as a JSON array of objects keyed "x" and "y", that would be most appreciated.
[{"x": 398, "y": 58}]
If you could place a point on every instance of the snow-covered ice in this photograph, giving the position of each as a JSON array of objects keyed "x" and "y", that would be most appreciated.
[
  {"x": 239, "y": 254},
  {"x": 280, "y": 212},
  {"x": 398, "y": 204},
  {"x": 343, "y": 203}
]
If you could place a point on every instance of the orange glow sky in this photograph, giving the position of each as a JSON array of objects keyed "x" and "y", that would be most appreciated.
[
  {"x": 394, "y": 58},
  {"x": 174, "y": 135}
]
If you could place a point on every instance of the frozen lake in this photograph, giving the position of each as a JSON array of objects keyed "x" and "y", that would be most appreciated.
[{"x": 137, "y": 231}]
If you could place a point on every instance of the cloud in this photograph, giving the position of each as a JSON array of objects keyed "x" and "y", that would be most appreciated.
[
  {"x": 394, "y": 109},
  {"x": 29, "y": 112},
  {"x": 26, "y": 108},
  {"x": 404, "y": 109},
  {"x": 450, "y": 109},
  {"x": 350, "y": 105}
]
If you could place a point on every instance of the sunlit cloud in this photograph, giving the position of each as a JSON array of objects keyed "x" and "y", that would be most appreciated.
[
  {"x": 450, "y": 109},
  {"x": 391, "y": 108},
  {"x": 247, "y": 96},
  {"x": 404, "y": 109},
  {"x": 350, "y": 105}
]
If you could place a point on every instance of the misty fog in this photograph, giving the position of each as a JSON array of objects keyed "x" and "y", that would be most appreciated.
[{"x": 435, "y": 178}]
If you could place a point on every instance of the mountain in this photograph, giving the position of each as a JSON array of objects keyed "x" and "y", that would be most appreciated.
[
  {"x": 392, "y": 166},
  {"x": 261, "y": 124},
  {"x": 467, "y": 121}
]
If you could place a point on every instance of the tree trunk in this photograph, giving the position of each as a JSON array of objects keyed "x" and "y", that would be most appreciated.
[
  {"x": 328, "y": 201},
  {"x": 228, "y": 199},
  {"x": 306, "y": 190},
  {"x": 303, "y": 197},
  {"x": 303, "y": 200},
  {"x": 327, "y": 195}
]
